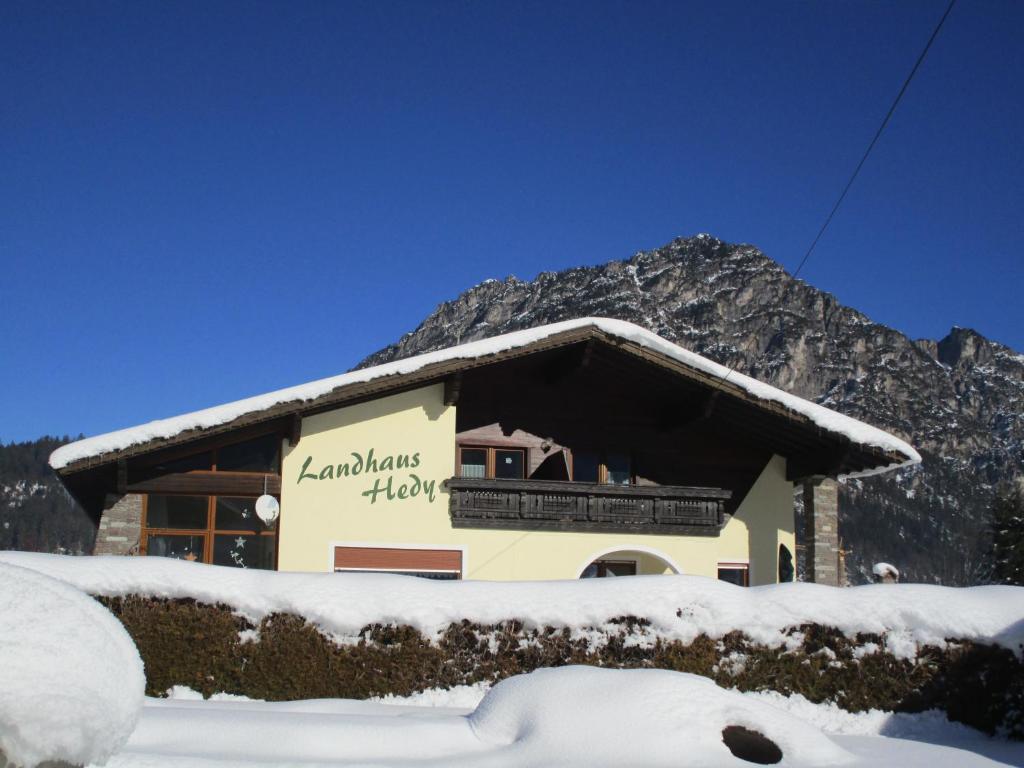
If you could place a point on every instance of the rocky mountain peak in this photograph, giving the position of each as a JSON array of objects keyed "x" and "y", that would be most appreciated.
[{"x": 961, "y": 343}]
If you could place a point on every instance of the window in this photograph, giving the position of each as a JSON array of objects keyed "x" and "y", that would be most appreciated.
[
  {"x": 600, "y": 569},
  {"x": 203, "y": 523},
  {"x": 586, "y": 467},
  {"x": 222, "y": 530},
  {"x": 258, "y": 455},
  {"x": 473, "y": 462},
  {"x": 261, "y": 454},
  {"x": 734, "y": 573},
  {"x": 485, "y": 462},
  {"x": 509, "y": 464},
  {"x": 786, "y": 569},
  {"x": 608, "y": 468},
  {"x": 616, "y": 469}
]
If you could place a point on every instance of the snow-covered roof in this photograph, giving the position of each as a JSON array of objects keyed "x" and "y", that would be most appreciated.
[{"x": 162, "y": 429}]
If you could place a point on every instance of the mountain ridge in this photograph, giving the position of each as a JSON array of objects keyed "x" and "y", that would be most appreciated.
[{"x": 956, "y": 398}]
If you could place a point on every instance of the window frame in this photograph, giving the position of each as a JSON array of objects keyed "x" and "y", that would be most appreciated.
[
  {"x": 744, "y": 568},
  {"x": 208, "y": 533},
  {"x": 149, "y": 467},
  {"x": 491, "y": 459}
]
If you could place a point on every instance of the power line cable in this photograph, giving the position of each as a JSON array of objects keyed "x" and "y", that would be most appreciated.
[{"x": 853, "y": 177}]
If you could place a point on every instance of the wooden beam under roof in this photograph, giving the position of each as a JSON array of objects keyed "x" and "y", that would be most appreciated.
[{"x": 452, "y": 389}]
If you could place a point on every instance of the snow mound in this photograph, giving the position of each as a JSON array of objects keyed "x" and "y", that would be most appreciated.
[
  {"x": 906, "y": 616},
  {"x": 885, "y": 570},
  {"x": 825, "y": 418},
  {"x": 71, "y": 680},
  {"x": 553, "y": 716}
]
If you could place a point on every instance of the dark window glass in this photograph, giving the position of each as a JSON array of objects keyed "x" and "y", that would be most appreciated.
[
  {"x": 786, "y": 570},
  {"x": 237, "y": 514},
  {"x": 619, "y": 569},
  {"x": 473, "y": 462},
  {"x": 176, "y": 511},
  {"x": 243, "y": 551},
  {"x": 601, "y": 569},
  {"x": 508, "y": 464},
  {"x": 737, "y": 576},
  {"x": 584, "y": 467},
  {"x": 178, "y": 547},
  {"x": 185, "y": 464},
  {"x": 259, "y": 455},
  {"x": 618, "y": 469}
]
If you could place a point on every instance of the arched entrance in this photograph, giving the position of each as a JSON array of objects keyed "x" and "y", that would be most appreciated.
[{"x": 627, "y": 561}]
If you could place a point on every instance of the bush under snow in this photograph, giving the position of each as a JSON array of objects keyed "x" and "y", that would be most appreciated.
[
  {"x": 676, "y": 607},
  {"x": 71, "y": 680},
  {"x": 555, "y": 716}
]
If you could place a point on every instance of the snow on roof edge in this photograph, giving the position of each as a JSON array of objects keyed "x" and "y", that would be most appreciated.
[{"x": 833, "y": 421}]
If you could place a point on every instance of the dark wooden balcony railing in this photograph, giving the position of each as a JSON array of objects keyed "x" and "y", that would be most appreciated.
[{"x": 546, "y": 505}]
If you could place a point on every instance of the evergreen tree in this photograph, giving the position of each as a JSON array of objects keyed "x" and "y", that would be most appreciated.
[{"x": 1008, "y": 536}]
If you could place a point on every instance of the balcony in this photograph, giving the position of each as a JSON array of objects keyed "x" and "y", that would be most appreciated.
[{"x": 555, "y": 505}]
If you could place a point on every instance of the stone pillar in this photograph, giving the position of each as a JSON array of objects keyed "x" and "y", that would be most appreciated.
[
  {"x": 120, "y": 526},
  {"x": 821, "y": 541}
]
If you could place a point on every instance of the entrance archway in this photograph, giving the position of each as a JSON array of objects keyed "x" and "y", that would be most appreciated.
[{"x": 627, "y": 561}]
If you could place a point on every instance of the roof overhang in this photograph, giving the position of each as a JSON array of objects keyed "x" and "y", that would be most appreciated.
[{"x": 876, "y": 450}]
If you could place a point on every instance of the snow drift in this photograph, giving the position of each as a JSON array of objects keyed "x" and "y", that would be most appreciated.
[
  {"x": 555, "y": 716},
  {"x": 71, "y": 680},
  {"x": 569, "y": 716}
]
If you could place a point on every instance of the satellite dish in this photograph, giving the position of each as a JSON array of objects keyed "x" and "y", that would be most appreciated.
[{"x": 267, "y": 509}]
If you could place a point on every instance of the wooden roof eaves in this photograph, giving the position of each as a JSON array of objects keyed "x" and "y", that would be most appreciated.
[
  {"x": 432, "y": 373},
  {"x": 881, "y": 456},
  {"x": 344, "y": 395}
]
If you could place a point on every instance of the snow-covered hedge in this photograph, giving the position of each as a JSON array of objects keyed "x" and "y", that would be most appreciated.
[
  {"x": 289, "y": 636},
  {"x": 905, "y": 616}
]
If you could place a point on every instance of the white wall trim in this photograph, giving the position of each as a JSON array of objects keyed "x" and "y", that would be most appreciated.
[
  {"x": 630, "y": 548},
  {"x": 394, "y": 545}
]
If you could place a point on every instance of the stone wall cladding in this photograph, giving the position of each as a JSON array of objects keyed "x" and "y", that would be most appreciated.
[
  {"x": 120, "y": 526},
  {"x": 821, "y": 513}
]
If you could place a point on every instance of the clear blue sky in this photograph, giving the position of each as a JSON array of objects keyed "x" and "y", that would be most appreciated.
[{"x": 202, "y": 201}]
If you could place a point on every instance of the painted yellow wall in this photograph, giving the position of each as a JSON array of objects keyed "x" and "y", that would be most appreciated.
[
  {"x": 318, "y": 514},
  {"x": 763, "y": 521},
  {"x": 315, "y": 513}
]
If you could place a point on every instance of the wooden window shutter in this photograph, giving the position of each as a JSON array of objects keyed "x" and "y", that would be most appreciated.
[{"x": 398, "y": 559}]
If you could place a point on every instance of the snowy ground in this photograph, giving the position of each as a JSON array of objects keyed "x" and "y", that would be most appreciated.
[
  {"x": 434, "y": 728},
  {"x": 71, "y": 678}
]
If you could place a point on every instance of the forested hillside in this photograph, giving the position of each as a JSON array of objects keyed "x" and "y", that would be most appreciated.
[{"x": 36, "y": 513}]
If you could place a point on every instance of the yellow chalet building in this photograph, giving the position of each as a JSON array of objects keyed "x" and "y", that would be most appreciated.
[{"x": 585, "y": 448}]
